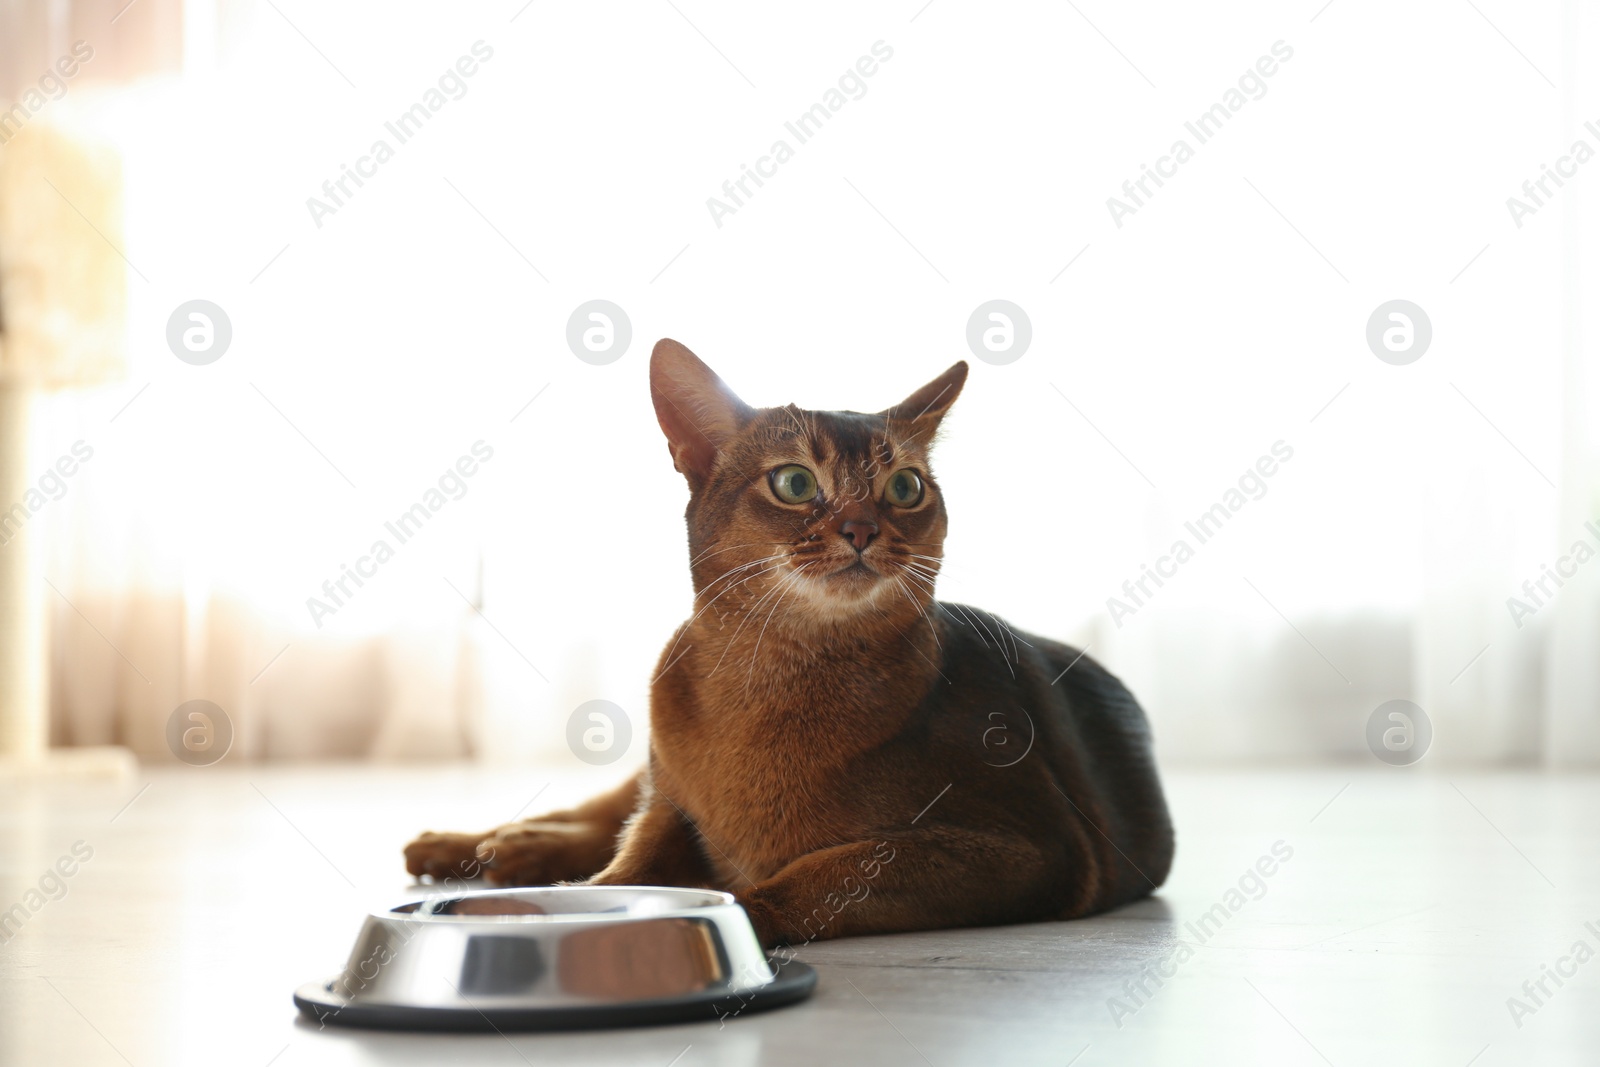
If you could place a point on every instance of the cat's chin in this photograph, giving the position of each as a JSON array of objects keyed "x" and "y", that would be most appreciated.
[
  {"x": 850, "y": 579},
  {"x": 857, "y": 572},
  {"x": 847, "y": 590}
]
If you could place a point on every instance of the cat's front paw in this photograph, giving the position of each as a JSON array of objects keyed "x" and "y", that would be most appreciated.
[
  {"x": 543, "y": 853},
  {"x": 441, "y": 856}
]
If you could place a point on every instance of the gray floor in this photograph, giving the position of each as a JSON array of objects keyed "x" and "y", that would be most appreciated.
[{"x": 1413, "y": 906}]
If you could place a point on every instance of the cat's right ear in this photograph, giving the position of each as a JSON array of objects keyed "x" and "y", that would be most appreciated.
[
  {"x": 923, "y": 410},
  {"x": 696, "y": 410}
]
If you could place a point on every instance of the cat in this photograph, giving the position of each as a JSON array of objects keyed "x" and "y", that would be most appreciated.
[{"x": 830, "y": 743}]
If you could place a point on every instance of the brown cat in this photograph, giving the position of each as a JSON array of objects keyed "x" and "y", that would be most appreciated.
[{"x": 843, "y": 752}]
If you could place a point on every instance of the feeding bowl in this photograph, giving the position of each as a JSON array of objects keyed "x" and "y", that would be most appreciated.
[{"x": 553, "y": 958}]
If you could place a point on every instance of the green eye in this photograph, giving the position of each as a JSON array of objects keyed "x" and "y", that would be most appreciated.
[
  {"x": 794, "y": 484},
  {"x": 905, "y": 489}
]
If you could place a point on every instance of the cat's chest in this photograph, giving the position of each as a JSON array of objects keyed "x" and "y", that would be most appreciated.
[
  {"x": 767, "y": 760},
  {"x": 756, "y": 787},
  {"x": 780, "y": 727}
]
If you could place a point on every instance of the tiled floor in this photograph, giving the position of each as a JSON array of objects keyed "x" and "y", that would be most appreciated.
[{"x": 1411, "y": 906}]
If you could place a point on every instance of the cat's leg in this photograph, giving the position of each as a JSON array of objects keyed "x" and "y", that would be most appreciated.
[
  {"x": 660, "y": 847},
  {"x": 561, "y": 846},
  {"x": 920, "y": 881}
]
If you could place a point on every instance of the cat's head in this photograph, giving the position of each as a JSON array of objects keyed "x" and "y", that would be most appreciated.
[{"x": 835, "y": 513}]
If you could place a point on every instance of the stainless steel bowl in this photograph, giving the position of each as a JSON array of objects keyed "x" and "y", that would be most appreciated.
[{"x": 554, "y": 957}]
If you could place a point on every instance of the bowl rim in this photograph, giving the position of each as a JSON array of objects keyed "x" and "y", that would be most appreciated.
[{"x": 716, "y": 899}]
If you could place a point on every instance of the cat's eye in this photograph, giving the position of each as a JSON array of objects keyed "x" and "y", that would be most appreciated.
[
  {"x": 794, "y": 484},
  {"x": 905, "y": 489}
]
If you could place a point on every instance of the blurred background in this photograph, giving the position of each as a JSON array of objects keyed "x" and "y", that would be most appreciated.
[{"x": 184, "y": 502}]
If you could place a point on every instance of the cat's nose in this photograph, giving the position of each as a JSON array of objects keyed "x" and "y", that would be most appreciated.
[{"x": 859, "y": 534}]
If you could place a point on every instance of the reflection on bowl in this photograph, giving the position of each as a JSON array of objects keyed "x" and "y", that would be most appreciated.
[{"x": 497, "y": 905}]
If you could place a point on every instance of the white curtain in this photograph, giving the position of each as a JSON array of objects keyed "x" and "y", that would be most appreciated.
[{"x": 429, "y": 313}]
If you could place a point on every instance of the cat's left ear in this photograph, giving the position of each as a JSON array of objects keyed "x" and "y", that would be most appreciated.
[{"x": 925, "y": 408}]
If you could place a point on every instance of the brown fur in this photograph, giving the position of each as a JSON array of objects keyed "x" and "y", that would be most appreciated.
[{"x": 842, "y": 751}]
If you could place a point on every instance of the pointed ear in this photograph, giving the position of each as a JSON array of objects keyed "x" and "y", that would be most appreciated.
[
  {"x": 925, "y": 408},
  {"x": 696, "y": 410}
]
